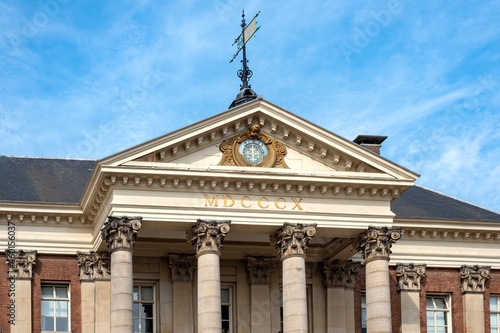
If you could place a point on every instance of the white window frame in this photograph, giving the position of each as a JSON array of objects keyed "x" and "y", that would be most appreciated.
[
  {"x": 54, "y": 299},
  {"x": 363, "y": 309},
  {"x": 495, "y": 313},
  {"x": 229, "y": 287},
  {"x": 139, "y": 301},
  {"x": 447, "y": 299}
]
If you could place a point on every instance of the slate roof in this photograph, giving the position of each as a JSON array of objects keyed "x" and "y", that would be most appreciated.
[
  {"x": 41, "y": 179},
  {"x": 57, "y": 180}
]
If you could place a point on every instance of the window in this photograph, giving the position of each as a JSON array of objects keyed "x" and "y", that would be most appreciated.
[
  {"x": 55, "y": 308},
  {"x": 226, "y": 309},
  {"x": 144, "y": 309},
  {"x": 363, "y": 313},
  {"x": 438, "y": 314},
  {"x": 495, "y": 314}
]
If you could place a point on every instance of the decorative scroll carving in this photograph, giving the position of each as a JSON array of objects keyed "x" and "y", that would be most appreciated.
[
  {"x": 376, "y": 242},
  {"x": 260, "y": 269},
  {"x": 207, "y": 236},
  {"x": 473, "y": 278},
  {"x": 293, "y": 238},
  {"x": 409, "y": 276},
  {"x": 94, "y": 266},
  {"x": 21, "y": 264},
  {"x": 274, "y": 158},
  {"x": 182, "y": 267},
  {"x": 341, "y": 273},
  {"x": 121, "y": 232}
]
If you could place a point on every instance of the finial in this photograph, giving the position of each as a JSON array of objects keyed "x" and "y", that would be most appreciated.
[{"x": 246, "y": 94}]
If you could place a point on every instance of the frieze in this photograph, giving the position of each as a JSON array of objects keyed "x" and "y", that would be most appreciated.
[
  {"x": 473, "y": 278},
  {"x": 340, "y": 273},
  {"x": 376, "y": 242},
  {"x": 207, "y": 236},
  {"x": 260, "y": 269},
  {"x": 94, "y": 266},
  {"x": 21, "y": 264},
  {"x": 246, "y": 201},
  {"x": 293, "y": 239},
  {"x": 121, "y": 232},
  {"x": 409, "y": 276},
  {"x": 182, "y": 267}
]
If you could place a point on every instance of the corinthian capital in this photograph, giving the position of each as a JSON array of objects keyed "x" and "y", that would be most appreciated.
[
  {"x": 21, "y": 264},
  {"x": 94, "y": 266},
  {"x": 121, "y": 232},
  {"x": 207, "y": 236},
  {"x": 260, "y": 269},
  {"x": 293, "y": 238},
  {"x": 182, "y": 267},
  {"x": 376, "y": 242},
  {"x": 409, "y": 276},
  {"x": 340, "y": 273},
  {"x": 473, "y": 278}
]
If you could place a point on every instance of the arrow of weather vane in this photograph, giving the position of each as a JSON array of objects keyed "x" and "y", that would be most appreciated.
[{"x": 246, "y": 33}]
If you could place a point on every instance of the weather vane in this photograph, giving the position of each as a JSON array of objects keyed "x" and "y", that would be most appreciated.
[{"x": 247, "y": 31}]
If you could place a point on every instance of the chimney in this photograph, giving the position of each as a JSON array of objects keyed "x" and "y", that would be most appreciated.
[{"x": 370, "y": 142}]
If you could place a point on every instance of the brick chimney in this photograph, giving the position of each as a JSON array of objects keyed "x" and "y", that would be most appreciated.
[{"x": 370, "y": 142}]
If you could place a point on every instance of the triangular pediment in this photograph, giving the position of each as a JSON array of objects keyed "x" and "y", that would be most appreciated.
[{"x": 309, "y": 148}]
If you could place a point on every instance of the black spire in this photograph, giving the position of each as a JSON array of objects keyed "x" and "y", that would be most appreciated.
[{"x": 246, "y": 93}]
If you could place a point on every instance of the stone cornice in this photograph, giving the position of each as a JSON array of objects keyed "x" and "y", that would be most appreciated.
[
  {"x": 340, "y": 273},
  {"x": 409, "y": 276},
  {"x": 473, "y": 278},
  {"x": 475, "y": 234},
  {"x": 120, "y": 233},
  {"x": 182, "y": 267},
  {"x": 260, "y": 269},
  {"x": 208, "y": 236},
  {"x": 94, "y": 266},
  {"x": 293, "y": 239},
  {"x": 376, "y": 242},
  {"x": 21, "y": 264}
]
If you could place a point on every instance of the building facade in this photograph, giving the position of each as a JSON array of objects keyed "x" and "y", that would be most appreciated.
[{"x": 254, "y": 220}]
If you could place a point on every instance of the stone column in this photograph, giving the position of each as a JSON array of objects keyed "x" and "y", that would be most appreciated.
[
  {"x": 340, "y": 279},
  {"x": 292, "y": 240},
  {"x": 473, "y": 279},
  {"x": 181, "y": 271},
  {"x": 409, "y": 295},
  {"x": 207, "y": 238},
  {"x": 95, "y": 277},
  {"x": 20, "y": 275},
  {"x": 120, "y": 234},
  {"x": 375, "y": 244},
  {"x": 259, "y": 274}
]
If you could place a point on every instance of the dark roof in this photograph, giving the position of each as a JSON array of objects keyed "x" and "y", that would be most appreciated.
[
  {"x": 422, "y": 203},
  {"x": 39, "y": 179},
  {"x": 57, "y": 180}
]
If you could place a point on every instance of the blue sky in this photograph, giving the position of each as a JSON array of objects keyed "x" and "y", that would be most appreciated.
[{"x": 86, "y": 79}]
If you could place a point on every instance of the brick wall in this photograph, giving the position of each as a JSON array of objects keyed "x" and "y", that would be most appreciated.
[
  {"x": 4, "y": 298},
  {"x": 53, "y": 268},
  {"x": 436, "y": 281}
]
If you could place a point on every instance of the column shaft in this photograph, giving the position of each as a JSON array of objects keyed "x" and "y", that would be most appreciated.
[
  {"x": 87, "y": 311},
  {"x": 183, "y": 306},
  {"x": 378, "y": 297},
  {"x": 410, "y": 311},
  {"x": 102, "y": 306},
  {"x": 122, "y": 315},
  {"x": 23, "y": 307},
  {"x": 261, "y": 308},
  {"x": 336, "y": 310},
  {"x": 474, "y": 312},
  {"x": 209, "y": 304},
  {"x": 349, "y": 310},
  {"x": 294, "y": 295}
]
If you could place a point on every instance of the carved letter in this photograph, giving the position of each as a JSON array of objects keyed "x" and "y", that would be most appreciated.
[
  {"x": 276, "y": 203},
  {"x": 258, "y": 202},
  {"x": 249, "y": 198},
  {"x": 210, "y": 202},
  {"x": 225, "y": 201},
  {"x": 297, "y": 204}
]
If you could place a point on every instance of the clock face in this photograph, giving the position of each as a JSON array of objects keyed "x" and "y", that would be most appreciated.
[{"x": 253, "y": 151}]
